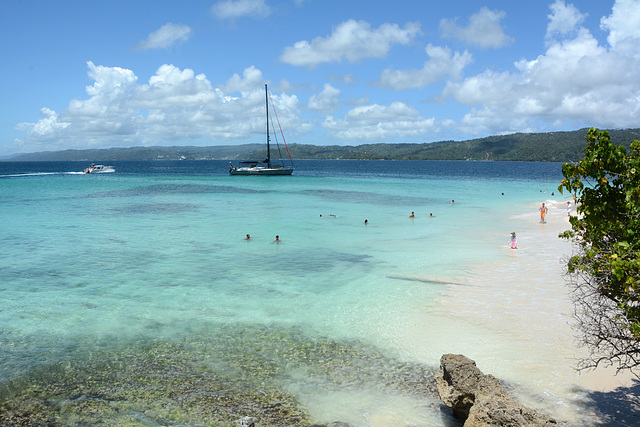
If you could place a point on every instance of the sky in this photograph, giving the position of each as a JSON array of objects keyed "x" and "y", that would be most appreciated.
[{"x": 87, "y": 74}]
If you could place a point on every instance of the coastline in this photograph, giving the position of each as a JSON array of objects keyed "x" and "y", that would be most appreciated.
[{"x": 523, "y": 300}]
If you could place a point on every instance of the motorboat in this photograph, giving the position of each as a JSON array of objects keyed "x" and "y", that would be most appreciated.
[{"x": 99, "y": 169}]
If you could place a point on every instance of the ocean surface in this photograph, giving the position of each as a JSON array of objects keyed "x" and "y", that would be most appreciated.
[{"x": 94, "y": 267}]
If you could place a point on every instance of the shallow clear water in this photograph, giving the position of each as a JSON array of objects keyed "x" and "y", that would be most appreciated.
[{"x": 155, "y": 252}]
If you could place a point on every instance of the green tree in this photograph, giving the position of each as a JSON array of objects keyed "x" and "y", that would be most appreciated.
[{"x": 604, "y": 272}]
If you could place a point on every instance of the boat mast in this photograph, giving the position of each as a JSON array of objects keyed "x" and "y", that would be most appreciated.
[{"x": 266, "y": 100}]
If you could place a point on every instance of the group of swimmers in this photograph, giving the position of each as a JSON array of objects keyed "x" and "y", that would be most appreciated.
[
  {"x": 276, "y": 240},
  {"x": 366, "y": 221},
  {"x": 413, "y": 215},
  {"x": 513, "y": 240}
]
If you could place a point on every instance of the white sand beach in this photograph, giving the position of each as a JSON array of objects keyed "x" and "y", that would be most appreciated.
[{"x": 522, "y": 299}]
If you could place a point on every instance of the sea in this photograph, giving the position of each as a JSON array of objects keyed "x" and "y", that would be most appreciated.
[{"x": 347, "y": 315}]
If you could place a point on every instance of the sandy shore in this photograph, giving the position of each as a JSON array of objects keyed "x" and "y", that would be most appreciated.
[{"x": 522, "y": 300}]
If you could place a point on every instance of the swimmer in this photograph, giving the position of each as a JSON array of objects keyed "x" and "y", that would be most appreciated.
[
  {"x": 452, "y": 202},
  {"x": 431, "y": 215},
  {"x": 412, "y": 215},
  {"x": 277, "y": 239},
  {"x": 366, "y": 221},
  {"x": 248, "y": 237}
]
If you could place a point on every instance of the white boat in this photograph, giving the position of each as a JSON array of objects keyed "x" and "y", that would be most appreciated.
[
  {"x": 266, "y": 166},
  {"x": 99, "y": 169}
]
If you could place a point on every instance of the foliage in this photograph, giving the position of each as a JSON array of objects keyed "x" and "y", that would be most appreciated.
[
  {"x": 534, "y": 147},
  {"x": 605, "y": 273}
]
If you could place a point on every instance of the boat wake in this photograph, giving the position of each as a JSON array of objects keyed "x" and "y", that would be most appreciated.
[{"x": 20, "y": 175}]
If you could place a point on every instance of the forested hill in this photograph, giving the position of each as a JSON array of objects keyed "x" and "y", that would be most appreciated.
[{"x": 552, "y": 146}]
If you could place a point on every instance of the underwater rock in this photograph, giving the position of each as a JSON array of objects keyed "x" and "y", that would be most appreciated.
[
  {"x": 480, "y": 399},
  {"x": 221, "y": 378}
]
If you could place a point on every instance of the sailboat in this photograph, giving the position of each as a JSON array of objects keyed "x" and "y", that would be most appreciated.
[{"x": 266, "y": 166}]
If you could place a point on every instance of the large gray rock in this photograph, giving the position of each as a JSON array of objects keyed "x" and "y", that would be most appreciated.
[{"x": 480, "y": 399}]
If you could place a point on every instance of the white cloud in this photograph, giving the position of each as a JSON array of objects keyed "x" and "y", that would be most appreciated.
[
  {"x": 167, "y": 36},
  {"x": 564, "y": 19},
  {"x": 351, "y": 40},
  {"x": 484, "y": 29},
  {"x": 442, "y": 63},
  {"x": 110, "y": 82},
  {"x": 622, "y": 24},
  {"x": 576, "y": 81},
  {"x": 174, "y": 106},
  {"x": 380, "y": 123},
  {"x": 327, "y": 100},
  {"x": 46, "y": 126},
  {"x": 251, "y": 78},
  {"x": 232, "y": 9}
]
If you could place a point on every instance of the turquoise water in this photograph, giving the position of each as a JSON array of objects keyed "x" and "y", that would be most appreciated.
[{"x": 155, "y": 253}]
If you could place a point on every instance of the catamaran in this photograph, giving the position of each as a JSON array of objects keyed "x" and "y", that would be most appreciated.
[{"x": 266, "y": 166}]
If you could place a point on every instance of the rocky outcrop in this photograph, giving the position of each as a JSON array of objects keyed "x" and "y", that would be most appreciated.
[{"x": 480, "y": 399}]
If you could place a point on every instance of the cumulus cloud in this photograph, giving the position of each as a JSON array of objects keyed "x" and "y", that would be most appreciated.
[
  {"x": 46, "y": 126},
  {"x": 623, "y": 28},
  {"x": 327, "y": 100},
  {"x": 442, "y": 63},
  {"x": 564, "y": 19},
  {"x": 232, "y": 9},
  {"x": 251, "y": 78},
  {"x": 351, "y": 40},
  {"x": 173, "y": 106},
  {"x": 395, "y": 122},
  {"x": 167, "y": 36},
  {"x": 484, "y": 29},
  {"x": 575, "y": 81}
]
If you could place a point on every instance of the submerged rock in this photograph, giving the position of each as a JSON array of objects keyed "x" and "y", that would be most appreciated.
[
  {"x": 233, "y": 374},
  {"x": 480, "y": 399}
]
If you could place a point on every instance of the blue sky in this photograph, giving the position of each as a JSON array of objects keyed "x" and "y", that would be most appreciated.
[{"x": 85, "y": 74}]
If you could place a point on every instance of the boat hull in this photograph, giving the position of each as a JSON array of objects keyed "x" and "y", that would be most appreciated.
[
  {"x": 261, "y": 171},
  {"x": 99, "y": 169}
]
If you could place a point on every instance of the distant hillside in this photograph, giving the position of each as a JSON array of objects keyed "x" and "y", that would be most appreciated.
[{"x": 551, "y": 146}]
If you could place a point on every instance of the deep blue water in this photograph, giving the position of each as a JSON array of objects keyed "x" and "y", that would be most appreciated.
[{"x": 406, "y": 169}]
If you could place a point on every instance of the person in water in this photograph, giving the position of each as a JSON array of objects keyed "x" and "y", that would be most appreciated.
[
  {"x": 412, "y": 215},
  {"x": 366, "y": 221},
  {"x": 514, "y": 241},
  {"x": 248, "y": 237},
  {"x": 277, "y": 239},
  {"x": 543, "y": 212}
]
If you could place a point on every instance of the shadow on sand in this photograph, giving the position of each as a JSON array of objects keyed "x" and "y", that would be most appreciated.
[{"x": 620, "y": 407}]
